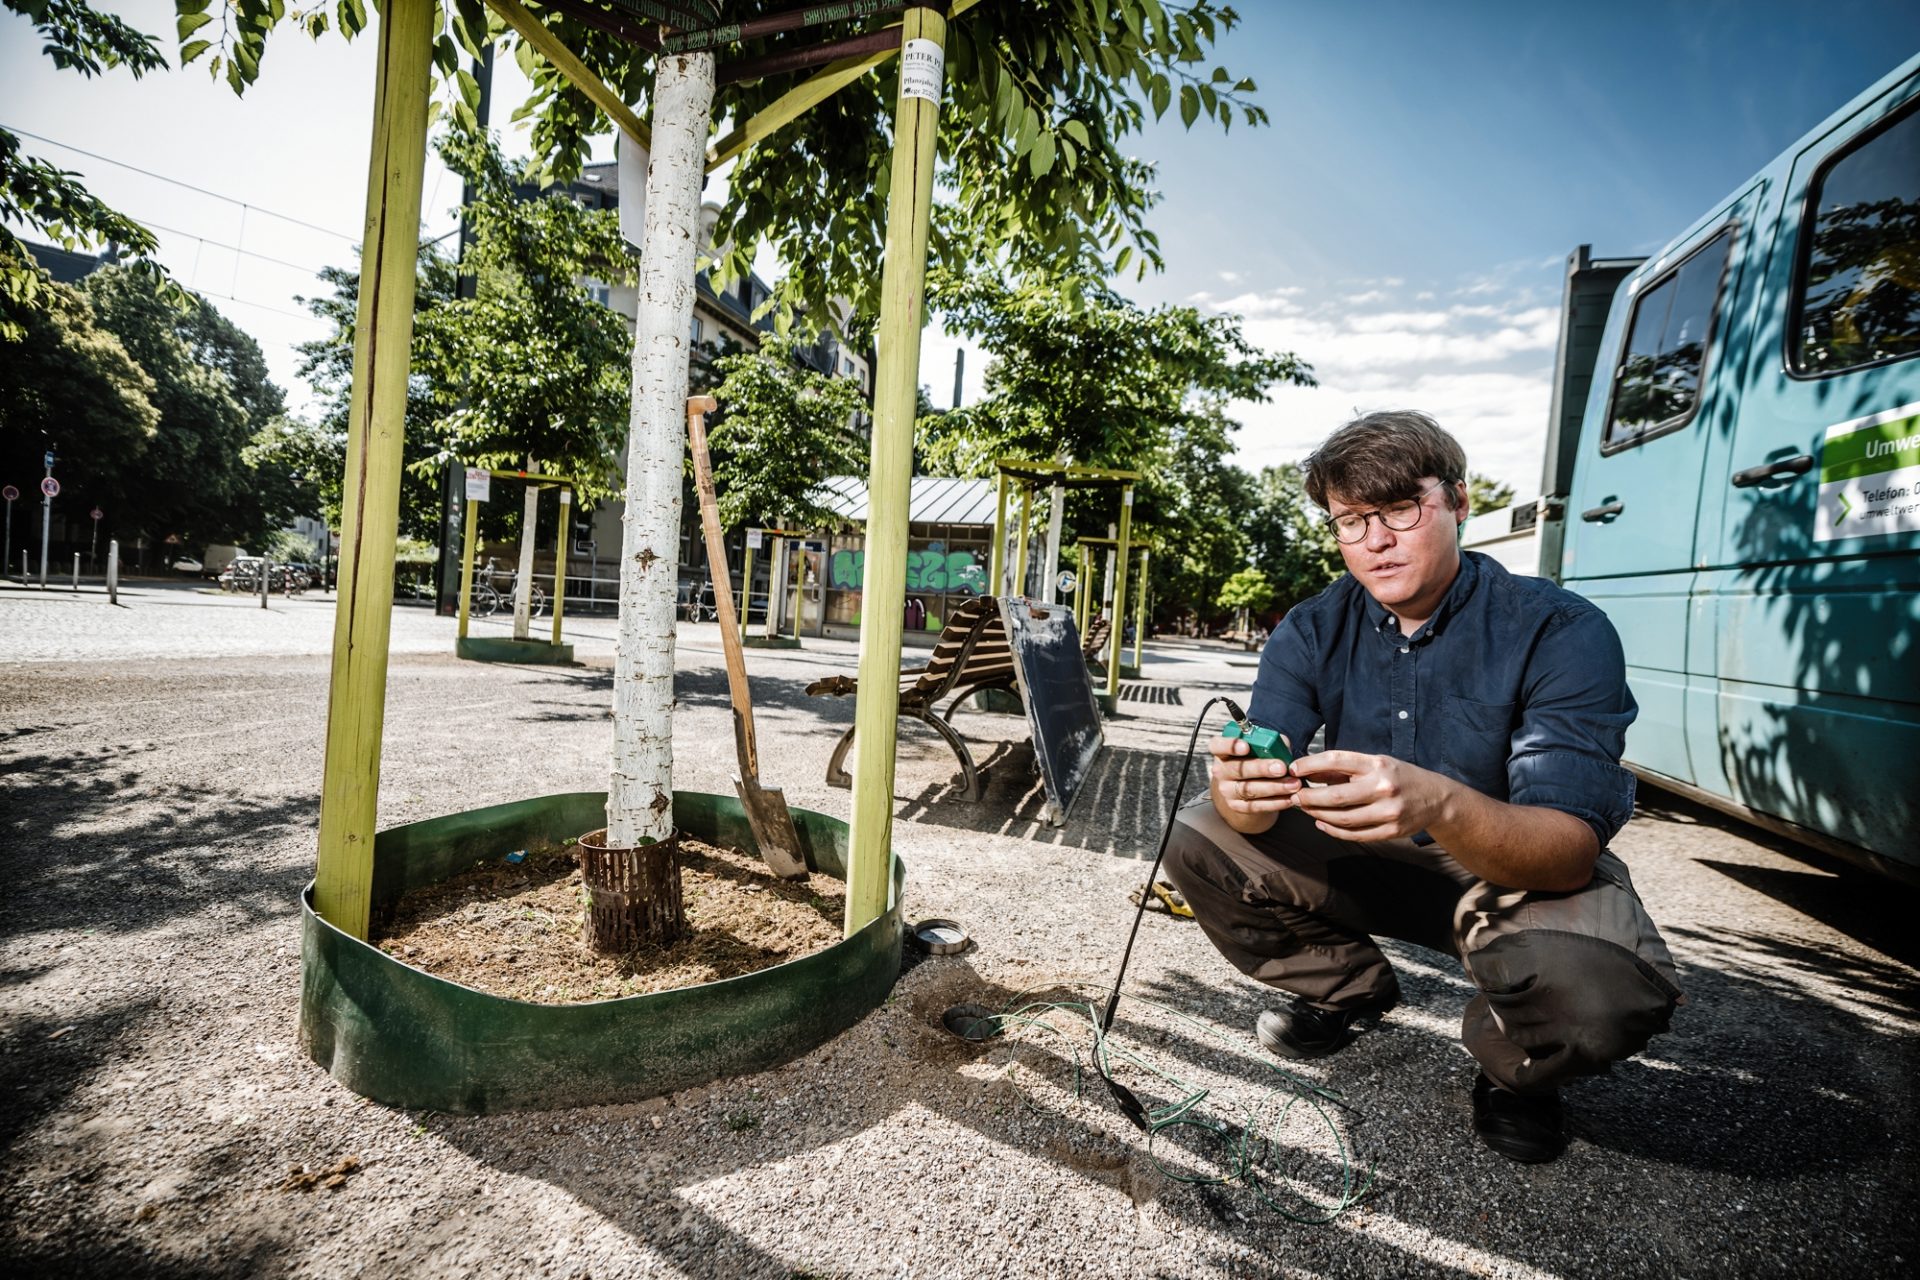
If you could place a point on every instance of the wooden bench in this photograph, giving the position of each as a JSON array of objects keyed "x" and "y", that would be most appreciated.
[
  {"x": 1094, "y": 644},
  {"x": 971, "y": 654}
]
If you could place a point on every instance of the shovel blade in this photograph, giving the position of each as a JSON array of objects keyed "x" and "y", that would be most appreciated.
[{"x": 773, "y": 828}]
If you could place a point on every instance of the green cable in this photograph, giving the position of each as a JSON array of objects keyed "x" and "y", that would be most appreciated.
[{"x": 1240, "y": 1144}]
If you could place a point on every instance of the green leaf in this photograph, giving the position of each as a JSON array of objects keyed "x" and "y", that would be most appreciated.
[
  {"x": 188, "y": 52},
  {"x": 1077, "y": 131},
  {"x": 192, "y": 22},
  {"x": 1162, "y": 96},
  {"x": 1043, "y": 153},
  {"x": 1189, "y": 105}
]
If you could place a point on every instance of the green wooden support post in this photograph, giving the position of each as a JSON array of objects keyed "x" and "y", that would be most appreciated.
[
  {"x": 1140, "y": 611},
  {"x": 1119, "y": 602},
  {"x": 1020, "y": 574},
  {"x": 1085, "y": 601},
  {"x": 560, "y": 562},
  {"x": 903, "y": 286},
  {"x": 467, "y": 551},
  {"x": 746, "y": 591},
  {"x": 376, "y": 428},
  {"x": 997, "y": 558},
  {"x": 799, "y": 558}
]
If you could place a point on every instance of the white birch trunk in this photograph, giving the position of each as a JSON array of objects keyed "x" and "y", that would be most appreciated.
[
  {"x": 777, "y": 588},
  {"x": 1056, "y": 507},
  {"x": 523, "y": 581},
  {"x": 640, "y": 788}
]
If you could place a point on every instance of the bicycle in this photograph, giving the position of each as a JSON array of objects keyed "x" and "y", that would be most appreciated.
[
  {"x": 698, "y": 605},
  {"x": 489, "y": 598}
]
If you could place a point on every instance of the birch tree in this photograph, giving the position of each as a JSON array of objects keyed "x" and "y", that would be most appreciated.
[{"x": 640, "y": 790}]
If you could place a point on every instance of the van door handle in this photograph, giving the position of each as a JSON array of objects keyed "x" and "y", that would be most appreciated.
[
  {"x": 1785, "y": 468},
  {"x": 1597, "y": 515}
]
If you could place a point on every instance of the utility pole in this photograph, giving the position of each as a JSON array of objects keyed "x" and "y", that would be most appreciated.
[
  {"x": 48, "y": 487},
  {"x": 959, "y": 373},
  {"x": 6, "y": 558}
]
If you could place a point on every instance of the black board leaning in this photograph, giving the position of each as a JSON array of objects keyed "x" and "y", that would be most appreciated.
[{"x": 1052, "y": 674}]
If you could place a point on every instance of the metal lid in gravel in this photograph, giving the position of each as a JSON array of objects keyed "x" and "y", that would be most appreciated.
[{"x": 939, "y": 937}]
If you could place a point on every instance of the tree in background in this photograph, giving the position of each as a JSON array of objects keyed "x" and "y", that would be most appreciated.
[
  {"x": 53, "y": 202},
  {"x": 69, "y": 385},
  {"x": 1487, "y": 494},
  {"x": 531, "y": 364},
  {"x": 1081, "y": 375},
  {"x": 327, "y": 365},
  {"x": 213, "y": 395},
  {"x": 786, "y": 428},
  {"x": 1289, "y": 539},
  {"x": 150, "y": 405},
  {"x": 1246, "y": 593}
]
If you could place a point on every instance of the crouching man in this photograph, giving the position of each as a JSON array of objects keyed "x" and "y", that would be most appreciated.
[{"x": 1472, "y": 779}]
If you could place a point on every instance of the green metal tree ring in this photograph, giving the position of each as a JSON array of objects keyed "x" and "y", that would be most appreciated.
[
  {"x": 404, "y": 1037},
  {"x": 503, "y": 649}
]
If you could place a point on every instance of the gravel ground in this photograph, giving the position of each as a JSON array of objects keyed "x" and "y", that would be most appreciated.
[{"x": 157, "y": 799}]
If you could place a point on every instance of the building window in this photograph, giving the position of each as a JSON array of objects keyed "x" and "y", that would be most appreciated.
[
  {"x": 1658, "y": 381},
  {"x": 1859, "y": 297},
  {"x": 698, "y": 332}
]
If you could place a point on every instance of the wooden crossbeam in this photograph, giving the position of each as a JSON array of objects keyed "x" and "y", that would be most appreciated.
[
  {"x": 803, "y": 97},
  {"x": 568, "y": 64}
]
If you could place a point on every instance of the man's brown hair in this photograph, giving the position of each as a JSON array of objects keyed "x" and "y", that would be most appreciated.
[{"x": 1382, "y": 457}]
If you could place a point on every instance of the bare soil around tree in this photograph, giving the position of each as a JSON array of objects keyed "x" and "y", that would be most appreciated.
[{"x": 518, "y": 928}]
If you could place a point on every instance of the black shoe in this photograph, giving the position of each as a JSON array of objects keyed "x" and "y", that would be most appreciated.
[
  {"x": 1304, "y": 1031},
  {"x": 1523, "y": 1127}
]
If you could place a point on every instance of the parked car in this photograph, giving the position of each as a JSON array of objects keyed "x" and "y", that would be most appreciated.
[
  {"x": 186, "y": 564},
  {"x": 1733, "y": 451}
]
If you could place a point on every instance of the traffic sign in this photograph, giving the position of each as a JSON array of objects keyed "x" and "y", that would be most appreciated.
[
  {"x": 9, "y": 493},
  {"x": 47, "y": 462},
  {"x": 50, "y": 487},
  {"x": 96, "y": 513}
]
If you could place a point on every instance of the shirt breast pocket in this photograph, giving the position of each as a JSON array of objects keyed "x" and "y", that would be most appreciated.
[{"x": 1477, "y": 740}]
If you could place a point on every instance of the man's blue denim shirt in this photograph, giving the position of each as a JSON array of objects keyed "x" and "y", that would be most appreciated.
[{"x": 1515, "y": 687}]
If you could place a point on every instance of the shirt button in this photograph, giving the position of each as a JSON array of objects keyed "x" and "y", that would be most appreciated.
[{"x": 1403, "y": 715}]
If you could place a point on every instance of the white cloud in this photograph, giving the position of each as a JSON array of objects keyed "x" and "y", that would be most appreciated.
[
  {"x": 1231, "y": 277},
  {"x": 1483, "y": 367}
]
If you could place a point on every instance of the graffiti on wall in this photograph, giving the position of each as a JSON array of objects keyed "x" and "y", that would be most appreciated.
[{"x": 932, "y": 569}]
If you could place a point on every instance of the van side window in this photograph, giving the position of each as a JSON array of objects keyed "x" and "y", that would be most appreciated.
[
  {"x": 1860, "y": 300},
  {"x": 1658, "y": 380}
]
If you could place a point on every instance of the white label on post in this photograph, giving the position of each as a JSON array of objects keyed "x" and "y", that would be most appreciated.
[
  {"x": 478, "y": 484},
  {"x": 630, "y": 179},
  {"x": 923, "y": 65},
  {"x": 755, "y": 540},
  {"x": 566, "y": 497}
]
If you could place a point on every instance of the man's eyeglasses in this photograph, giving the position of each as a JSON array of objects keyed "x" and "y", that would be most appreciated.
[{"x": 1399, "y": 516}]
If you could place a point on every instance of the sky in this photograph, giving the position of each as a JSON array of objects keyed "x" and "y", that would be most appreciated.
[{"x": 1402, "y": 225}]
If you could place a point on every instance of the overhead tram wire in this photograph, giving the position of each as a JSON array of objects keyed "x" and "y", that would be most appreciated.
[
  {"x": 178, "y": 182},
  {"x": 134, "y": 168}
]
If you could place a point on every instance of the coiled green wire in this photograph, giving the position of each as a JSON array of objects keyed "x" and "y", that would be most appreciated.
[{"x": 1244, "y": 1144}]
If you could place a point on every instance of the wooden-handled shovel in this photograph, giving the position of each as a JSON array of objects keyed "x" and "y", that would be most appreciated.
[{"x": 766, "y": 807}]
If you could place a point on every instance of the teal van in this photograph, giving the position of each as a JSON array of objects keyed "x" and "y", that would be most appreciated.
[{"x": 1733, "y": 474}]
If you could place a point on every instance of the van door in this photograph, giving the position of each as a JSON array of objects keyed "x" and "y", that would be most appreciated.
[
  {"x": 1814, "y": 574},
  {"x": 1630, "y": 540}
]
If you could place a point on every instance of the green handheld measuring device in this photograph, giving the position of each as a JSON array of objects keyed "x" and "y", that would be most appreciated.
[{"x": 1266, "y": 744}]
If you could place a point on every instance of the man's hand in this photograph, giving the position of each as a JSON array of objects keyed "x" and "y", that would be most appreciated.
[
  {"x": 1248, "y": 791},
  {"x": 1372, "y": 797}
]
